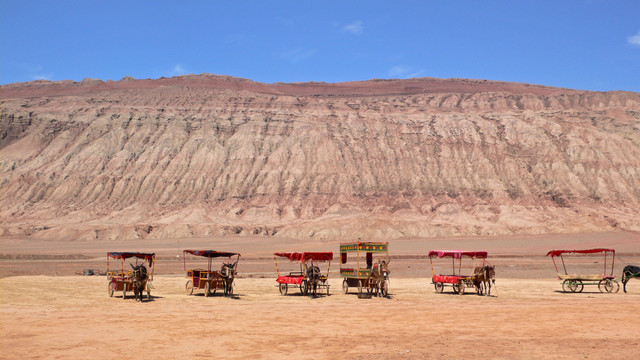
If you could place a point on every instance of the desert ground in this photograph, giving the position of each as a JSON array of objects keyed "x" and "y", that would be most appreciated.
[{"x": 49, "y": 312}]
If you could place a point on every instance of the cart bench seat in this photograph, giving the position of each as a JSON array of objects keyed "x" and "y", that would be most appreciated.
[
  {"x": 204, "y": 274},
  {"x": 448, "y": 279},
  {"x": 119, "y": 275},
  {"x": 355, "y": 273},
  {"x": 583, "y": 277},
  {"x": 290, "y": 279}
]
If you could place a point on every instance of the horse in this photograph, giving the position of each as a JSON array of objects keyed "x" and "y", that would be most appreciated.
[
  {"x": 378, "y": 277},
  {"x": 629, "y": 272},
  {"x": 313, "y": 278},
  {"x": 483, "y": 278},
  {"x": 228, "y": 273},
  {"x": 139, "y": 280}
]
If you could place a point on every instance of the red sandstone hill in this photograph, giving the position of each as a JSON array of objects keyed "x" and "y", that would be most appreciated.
[{"x": 213, "y": 155}]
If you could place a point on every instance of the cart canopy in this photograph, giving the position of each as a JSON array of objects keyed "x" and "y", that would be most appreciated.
[
  {"x": 374, "y": 247},
  {"x": 458, "y": 254},
  {"x": 586, "y": 251},
  {"x": 304, "y": 256},
  {"x": 210, "y": 253},
  {"x": 126, "y": 255}
]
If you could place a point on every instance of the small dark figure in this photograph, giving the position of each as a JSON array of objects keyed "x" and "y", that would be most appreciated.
[{"x": 629, "y": 272}]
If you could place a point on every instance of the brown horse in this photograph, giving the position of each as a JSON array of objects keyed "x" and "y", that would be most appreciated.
[
  {"x": 483, "y": 277},
  {"x": 378, "y": 279},
  {"x": 139, "y": 279}
]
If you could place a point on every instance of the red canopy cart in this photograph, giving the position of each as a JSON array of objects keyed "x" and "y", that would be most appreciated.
[
  {"x": 576, "y": 282},
  {"x": 456, "y": 280},
  {"x": 122, "y": 279},
  {"x": 309, "y": 279},
  {"x": 211, "y": 280}
]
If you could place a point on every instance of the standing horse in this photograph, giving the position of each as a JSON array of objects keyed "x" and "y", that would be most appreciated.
[
  {"x": 228, "y": 273},
  {"x": 629, "y": 272},
  {"x": 483, "y": 278},
  {"x": 378, "y": 278},
  {"x": 139, "y": 280}
]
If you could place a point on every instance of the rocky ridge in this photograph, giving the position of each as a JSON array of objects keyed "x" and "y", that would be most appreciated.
[{"x": 206, "y": 155}]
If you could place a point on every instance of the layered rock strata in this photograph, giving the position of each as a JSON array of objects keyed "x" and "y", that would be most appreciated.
[{"x": 212, "y": 155}]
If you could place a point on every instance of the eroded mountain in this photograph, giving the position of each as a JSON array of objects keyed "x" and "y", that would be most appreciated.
[{"x": 214, "y": 155}]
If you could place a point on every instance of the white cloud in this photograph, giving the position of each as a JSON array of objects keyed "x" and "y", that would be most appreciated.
[
  {"x": 403, "y": 71},
  {"x": 355, "y": 28},
  {"x": 634, "y": 40},
  {"x": 35, "y": 71},
  {"x": 178, "y": 70},
  {"x": 297, "y": 55},
  {"x": 48, "y": 76}
]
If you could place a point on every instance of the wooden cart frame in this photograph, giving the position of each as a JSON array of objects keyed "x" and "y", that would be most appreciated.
[
  {"x": 358, "y": 276},
  {"x": 121, "y": 279},
  {"x": 575, "y": 282},
  {"x": 456, "y": 280},
  {"x": 209, "y": 280},
  {"x": 300, "y": 279}
]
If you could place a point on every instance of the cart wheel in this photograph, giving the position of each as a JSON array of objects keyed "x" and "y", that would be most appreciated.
[
  {"x": 188, "y": 287},
  {"x": 616, "y": 287},
  {"x": 606, "y": 285},
  {"x": 304, "y": 287},
  {"x": 207, "y": 293},
  {"x": 110, "y": 288},
  {"x": 455, "y": 287},
  {"x": 148, "y": 291},
  {"x": 359, "y": 286},
  {"x": 384, "y": 288},
  {"x": 572, "y": 285},
  {"x": 345, "y": 287},
  {"x": 461, "y": 288},
  {"x": 439, "y": 287},
  {"x": 284, "y": 288}
]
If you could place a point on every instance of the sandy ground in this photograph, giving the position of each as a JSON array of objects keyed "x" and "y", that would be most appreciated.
[
  {"x": 67, "y": 316},
  {"x": 72, "y": 317}
]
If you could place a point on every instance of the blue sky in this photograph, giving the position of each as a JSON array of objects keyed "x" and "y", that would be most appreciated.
[{"x": 591, "y": 45}]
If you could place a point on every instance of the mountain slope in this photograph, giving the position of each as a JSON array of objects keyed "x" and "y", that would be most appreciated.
[{"x": 213, "y": 155}]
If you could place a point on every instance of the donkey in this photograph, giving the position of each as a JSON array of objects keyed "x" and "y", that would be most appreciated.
[
  {"x": 313, "y": 278},
  {"x": 484, "y": 276},
  {"x": 378, "y": 277},
  {"x": 629, "y": 272},
  {"x": 228, "y": 273},
  {"x": 139, "y": 279}
]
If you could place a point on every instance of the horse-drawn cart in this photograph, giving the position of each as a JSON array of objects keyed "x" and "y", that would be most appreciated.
[
  {"x": 456, "y": 280},
  {"x": 367, "y": 275},
  {"x": 576, "y": 282},
  {"x": 211, "y": 280},
  {"x": 137, "y": 279},
  {"x": 309, "y": 279}
]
